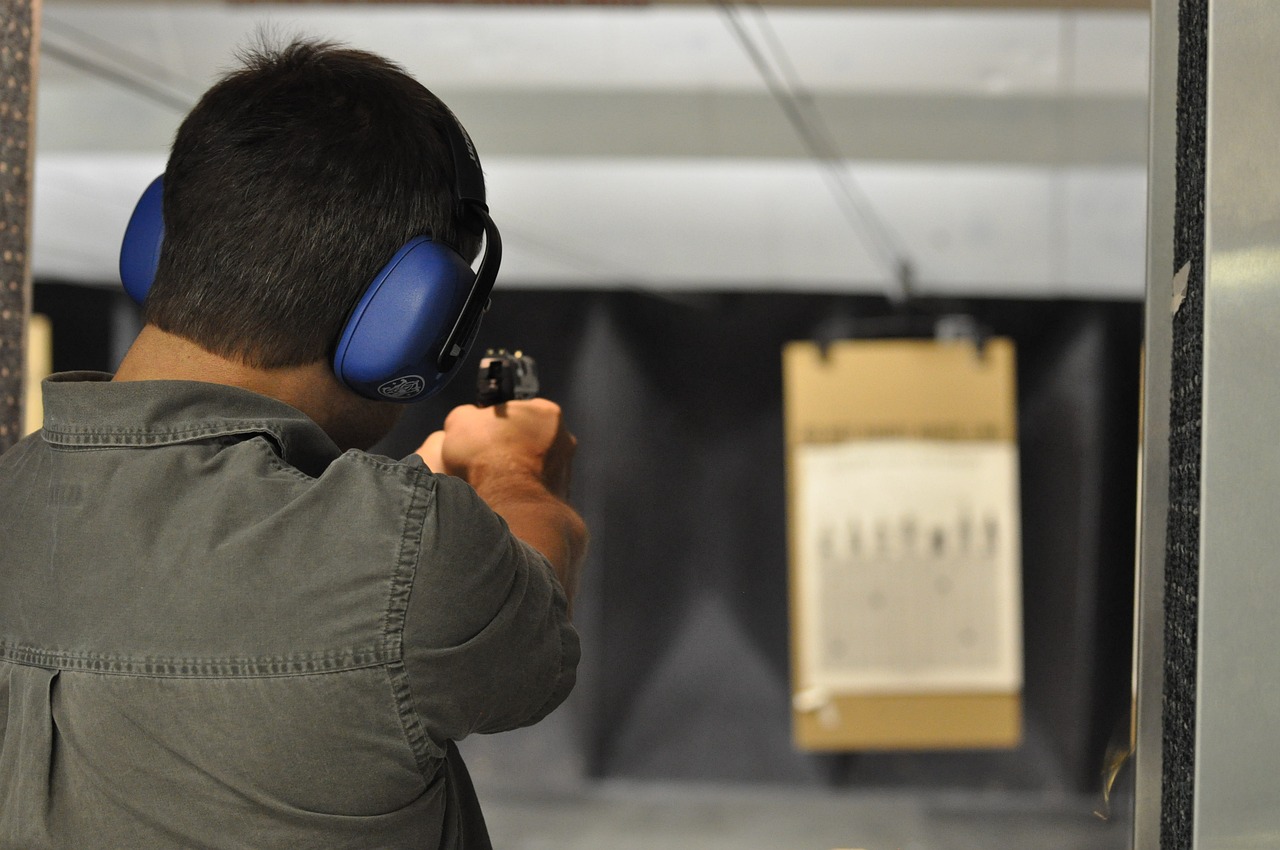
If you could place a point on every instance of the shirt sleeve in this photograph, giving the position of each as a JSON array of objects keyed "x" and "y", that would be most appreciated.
[{"x": 488, "y": 645}]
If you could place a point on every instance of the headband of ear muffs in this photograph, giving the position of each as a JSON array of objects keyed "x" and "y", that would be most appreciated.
[{"x": 413, "y": 325}]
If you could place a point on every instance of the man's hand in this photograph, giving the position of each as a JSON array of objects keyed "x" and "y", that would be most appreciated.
[
  {"x": 517, "y": 456},
  {"x": 432, "y": 451},
  {"x": 516, "y": 438}
]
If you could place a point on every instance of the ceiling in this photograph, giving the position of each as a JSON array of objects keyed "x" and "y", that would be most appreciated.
[{"x": 974, "y": 152}]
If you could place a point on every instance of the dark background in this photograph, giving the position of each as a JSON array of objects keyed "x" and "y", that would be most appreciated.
[{"x": 677, "y": 403}]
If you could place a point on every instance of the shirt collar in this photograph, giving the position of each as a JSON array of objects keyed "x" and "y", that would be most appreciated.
[{"x": 89, "y": 409}]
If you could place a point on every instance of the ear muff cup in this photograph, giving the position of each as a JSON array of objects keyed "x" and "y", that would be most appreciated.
[
  {"x": 390, "y": 346},
  {"x": 140, "y": 250}
]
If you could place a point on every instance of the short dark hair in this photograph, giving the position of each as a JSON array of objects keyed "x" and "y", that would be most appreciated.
[{"x": 290, "y": 184}]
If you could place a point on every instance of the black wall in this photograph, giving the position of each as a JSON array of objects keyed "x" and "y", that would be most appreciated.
[
  {"x": 82, "y": 322},
  {"x": 677, "y": 405}
]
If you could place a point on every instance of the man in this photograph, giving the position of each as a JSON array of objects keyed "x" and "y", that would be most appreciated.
[{"x": 222, "y": 623}]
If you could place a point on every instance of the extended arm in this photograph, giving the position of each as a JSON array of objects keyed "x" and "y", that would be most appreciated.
[{"x": 517, "y": 456}]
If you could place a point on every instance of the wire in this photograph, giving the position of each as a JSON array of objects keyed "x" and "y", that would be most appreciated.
[
  {"x": 547, "y": 248},
  {"x": 798, "y": 105},
  {"x": 142, "y": 87},
  {"x": 138, "y": 66}
]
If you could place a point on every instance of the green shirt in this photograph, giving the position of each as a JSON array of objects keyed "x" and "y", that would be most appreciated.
[{"x": 218, "y": 631}]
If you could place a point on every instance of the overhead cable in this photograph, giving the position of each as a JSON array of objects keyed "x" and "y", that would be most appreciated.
[
  {"x": 137, "y": 66},
  {"x": 131, "y": 82},
  {"x": 797, "y": 103}
]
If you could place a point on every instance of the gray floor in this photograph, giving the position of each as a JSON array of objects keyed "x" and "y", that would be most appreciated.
[{"x": 629, "y": 816}]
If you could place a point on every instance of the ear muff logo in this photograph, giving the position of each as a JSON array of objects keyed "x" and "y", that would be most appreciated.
[{"x": 405, "y": 387}]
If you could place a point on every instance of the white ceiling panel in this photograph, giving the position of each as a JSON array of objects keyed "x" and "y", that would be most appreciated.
[
  {"x": 646, "y": 47},
  {"x": 640, "y": 146},
  {"x": 81, "y": 204},
  {"x": 668, "y": 224},
  {"x": 998, "y": 231}
]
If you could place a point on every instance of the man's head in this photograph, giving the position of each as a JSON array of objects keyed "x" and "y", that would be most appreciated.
[{"x": 290, "y": 184}]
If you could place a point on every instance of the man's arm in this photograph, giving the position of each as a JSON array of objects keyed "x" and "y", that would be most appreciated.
[{"x": 517, "y": 456}]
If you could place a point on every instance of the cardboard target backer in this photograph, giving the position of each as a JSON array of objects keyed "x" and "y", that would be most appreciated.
[{"x": 902, "y": 467}]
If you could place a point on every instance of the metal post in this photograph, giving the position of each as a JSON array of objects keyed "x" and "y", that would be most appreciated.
[
  {"x": 19, "y": 21},
  {"x": 1221, "y": 684},
  {"x": 1237, "y": 793},
  {"x": 1153, "y": 516}
]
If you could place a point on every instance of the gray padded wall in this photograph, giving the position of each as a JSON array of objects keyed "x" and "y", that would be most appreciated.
[
  {"x": 17, "y": 81},
  {"x": 1182, "y": 568}
]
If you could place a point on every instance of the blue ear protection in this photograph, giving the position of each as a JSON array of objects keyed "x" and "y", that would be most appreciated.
[
  {"x": 415, "y": 322},
  {"x": 140, "y": 251}
]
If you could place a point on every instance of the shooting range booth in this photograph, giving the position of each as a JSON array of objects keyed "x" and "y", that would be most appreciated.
[{"x": 1143, "y": 712}]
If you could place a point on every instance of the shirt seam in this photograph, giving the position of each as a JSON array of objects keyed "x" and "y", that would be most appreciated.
[
  {"x": 275, "y": 461},
  {"x": 58, "y": 435},
  {"x": 425, "y": 751},
  {"x": 176, "y": 667}
]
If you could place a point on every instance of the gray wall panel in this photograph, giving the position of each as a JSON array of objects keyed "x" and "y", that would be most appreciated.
[{"x": 1237, "y": 801}]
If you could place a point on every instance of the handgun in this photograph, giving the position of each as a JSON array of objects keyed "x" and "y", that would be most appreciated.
[{"x": 505, "y": 376}]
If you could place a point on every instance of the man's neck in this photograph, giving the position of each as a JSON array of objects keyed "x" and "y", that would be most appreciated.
[
  {"x": 158, "y": 355},
  {"x": 350, "y": 420}
]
